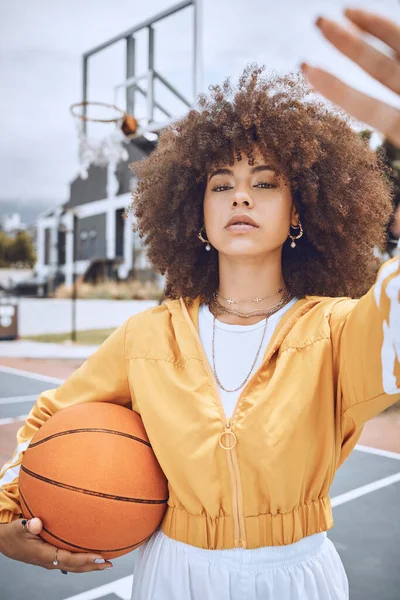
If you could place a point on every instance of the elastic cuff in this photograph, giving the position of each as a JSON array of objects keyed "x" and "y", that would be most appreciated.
[{"x": 6, "y": 516}]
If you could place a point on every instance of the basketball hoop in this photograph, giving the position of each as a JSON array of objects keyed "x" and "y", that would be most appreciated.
[{"x": 108, "y": 150}]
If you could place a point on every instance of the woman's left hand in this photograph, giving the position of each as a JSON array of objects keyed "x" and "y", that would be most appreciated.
[{"x": 385, "y": 69}]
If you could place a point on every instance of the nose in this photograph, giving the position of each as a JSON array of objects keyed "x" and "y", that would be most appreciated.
[{"x": 242, "y": 198}]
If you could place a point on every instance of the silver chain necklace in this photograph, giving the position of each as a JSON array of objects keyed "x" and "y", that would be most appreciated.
[
  {"x": 284, "y": 300},
  {"x": 252, "y": 366},
  {"x": 257, "y": 299},
  {"x": 265, "y": 312}
]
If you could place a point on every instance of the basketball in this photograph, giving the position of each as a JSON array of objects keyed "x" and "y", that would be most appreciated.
[{"x": 91, "y": 476}]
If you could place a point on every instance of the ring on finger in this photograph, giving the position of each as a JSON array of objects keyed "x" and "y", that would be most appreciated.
[
  {"x": 64, "y": 572},
  {"x": 25, "y": 527}
]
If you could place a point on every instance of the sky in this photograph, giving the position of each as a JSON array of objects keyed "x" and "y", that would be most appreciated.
[{"x": 42, "y": 42}]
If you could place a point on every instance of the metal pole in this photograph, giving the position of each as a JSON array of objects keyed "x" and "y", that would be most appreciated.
[
  {"x": 163, "y": 15},
  {"x": 50, "y": 281},
  {"x": 130, "y": 72},
  {"x": 74, "y": 277},
  {"x": 84, "y": 90},
  {"x": 198, "y": 48},
  {"x": 150, "y": 85}
]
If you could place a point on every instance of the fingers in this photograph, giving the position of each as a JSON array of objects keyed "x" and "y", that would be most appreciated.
[
  {"x": 385, "y": 69},
  {"x": 378, "y": 26},
  {"x": 378, "y": 65},
  {"x": 75, "y": 562},
  {"x": 34, "y": 526},
  {"x": 28, "y": 527},
  {"x": 42, "y": 554},
  {"x": 379, "y": 115}
]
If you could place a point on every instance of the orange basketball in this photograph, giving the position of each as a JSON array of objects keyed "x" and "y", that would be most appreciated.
[{"x": 92, "y": 477}]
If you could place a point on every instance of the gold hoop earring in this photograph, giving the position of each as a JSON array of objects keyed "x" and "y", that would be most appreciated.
[
  {"x": 206, "y": 242},
  {"x": 297, "y": 237}
]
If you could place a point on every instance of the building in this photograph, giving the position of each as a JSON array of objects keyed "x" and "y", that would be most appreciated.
[{"x": 105, "y": 241}]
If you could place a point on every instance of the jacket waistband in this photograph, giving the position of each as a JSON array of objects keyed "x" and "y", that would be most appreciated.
[{"x": 262, "y": 530}]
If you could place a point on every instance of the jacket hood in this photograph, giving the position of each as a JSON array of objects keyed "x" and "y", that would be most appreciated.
[{"x": 303, "y": 305}]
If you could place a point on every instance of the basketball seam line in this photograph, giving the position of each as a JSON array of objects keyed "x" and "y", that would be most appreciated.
[
  {"x": 90, "y": 430},
  {"x": 83, "y": 547},
  {"x": 90, "y": 492}
]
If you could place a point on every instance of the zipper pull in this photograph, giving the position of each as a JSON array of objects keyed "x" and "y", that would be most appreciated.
[{"x": 228, "y": 439}]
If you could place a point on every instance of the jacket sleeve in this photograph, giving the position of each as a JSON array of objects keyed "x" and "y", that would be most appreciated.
[
  {"x": 366, "y": 344},
  {"x": 101, "y": 378}
]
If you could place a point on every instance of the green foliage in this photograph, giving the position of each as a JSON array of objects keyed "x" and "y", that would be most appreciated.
[
  {"x": 16, "y": 251},
  {"x": 365, "y": 134},
  {"x": 4, "y": 249}
]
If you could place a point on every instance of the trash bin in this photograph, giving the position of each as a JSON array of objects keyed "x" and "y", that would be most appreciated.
[{"x": 8, "y": 318}]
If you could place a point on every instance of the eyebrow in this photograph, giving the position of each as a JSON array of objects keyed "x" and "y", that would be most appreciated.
[{"x": 256, "y": 169}]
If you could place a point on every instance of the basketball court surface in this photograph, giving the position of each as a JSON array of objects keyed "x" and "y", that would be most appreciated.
[{"x": 365, "y": 497}]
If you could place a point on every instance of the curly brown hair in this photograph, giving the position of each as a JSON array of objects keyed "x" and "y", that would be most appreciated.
[{"x": 338, "y": 184}]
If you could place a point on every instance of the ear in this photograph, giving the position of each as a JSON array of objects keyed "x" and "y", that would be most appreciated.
[{"x": 294, "y": 215}]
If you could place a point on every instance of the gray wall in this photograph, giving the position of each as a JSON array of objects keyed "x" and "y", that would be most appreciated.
[
  {"x": 87, "y": 190},
  {"x": 47, "y": 245},
  {"x": 119, "y": 232},
  {"x": 61, "y": 246},
  {"x": 92, "y": 247},
  {"x": 137, "y": 151},
  {"x": 94, "y": 187}
]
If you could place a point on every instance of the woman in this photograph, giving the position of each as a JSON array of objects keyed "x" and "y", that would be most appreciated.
[{"x": 255, "y": 377}]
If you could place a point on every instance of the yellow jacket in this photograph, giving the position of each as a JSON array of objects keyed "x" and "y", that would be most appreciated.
[{"x": 262, "y": 477}]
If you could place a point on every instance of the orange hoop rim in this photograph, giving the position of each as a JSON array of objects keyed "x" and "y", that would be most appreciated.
[{"x": 92, "y": 119}]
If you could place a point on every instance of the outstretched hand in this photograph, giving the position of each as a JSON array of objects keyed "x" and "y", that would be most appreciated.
[{"x": 385, "y": 69}]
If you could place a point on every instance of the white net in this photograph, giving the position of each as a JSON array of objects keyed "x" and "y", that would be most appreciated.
[
  {"x": 108, "y": 150},
  {"x": 100, "y": 138}
]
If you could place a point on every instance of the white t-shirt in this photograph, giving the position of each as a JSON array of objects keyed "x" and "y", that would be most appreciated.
[{"x": 235, "y": 349}]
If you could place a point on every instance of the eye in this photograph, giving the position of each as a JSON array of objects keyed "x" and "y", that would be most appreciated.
[
  {"x": 220, "y": 188},
  {"x": 265, "y": 183}
]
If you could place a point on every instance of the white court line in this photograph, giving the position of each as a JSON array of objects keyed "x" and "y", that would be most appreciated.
[
  {"x": 9, "y": 420},
  {"x": 15, "y": 399},
  {"x": 120, "y": 587},
  {"x": 29, "y": 374},
  {"x": 378, "y": 452},
  {"x": 365, "y": 489}
]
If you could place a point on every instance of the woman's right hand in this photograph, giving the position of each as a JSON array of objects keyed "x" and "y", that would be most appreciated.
[{"x": 18, "y": 544}]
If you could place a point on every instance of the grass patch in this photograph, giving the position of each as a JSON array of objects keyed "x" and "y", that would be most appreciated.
[{"x": 88, "y": 337}]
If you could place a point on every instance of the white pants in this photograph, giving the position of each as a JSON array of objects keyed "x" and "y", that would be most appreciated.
[{"x": 310, "y": 569}]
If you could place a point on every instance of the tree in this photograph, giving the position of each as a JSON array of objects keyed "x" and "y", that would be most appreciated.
[
  {"x": 5, "y": 242},
  {"x": 16, "y": 250}
]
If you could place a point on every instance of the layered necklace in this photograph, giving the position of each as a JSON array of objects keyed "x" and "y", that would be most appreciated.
[
  {"x": 256, "y": 299},
  {"x": 267, "y": 312}
]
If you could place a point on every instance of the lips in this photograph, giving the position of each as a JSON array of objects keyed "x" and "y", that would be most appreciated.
[{"x": 241, "y": 220}]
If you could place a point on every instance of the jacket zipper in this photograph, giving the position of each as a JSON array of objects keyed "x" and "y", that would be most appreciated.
[
  {"x": 227, "y": 441},
  {"x": 227, "y": 438}
]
